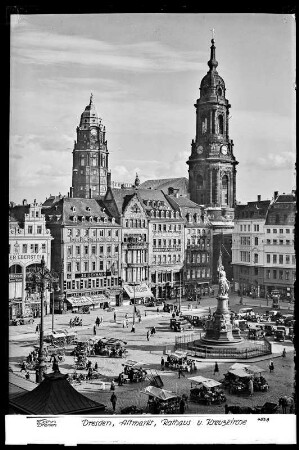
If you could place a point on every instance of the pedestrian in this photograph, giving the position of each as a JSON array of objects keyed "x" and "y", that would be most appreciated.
[
  {"x": 148, "y": 334},
  {"x": 154, "y": 328},
  {"x": 271, "y": 366},
  {"x": 216, "y": 368},
  {"x": 158, "y": 309},
  {"x": 120, "y": 379},
  {"x": 97, "y": 321},
  {"x": 126, "y": 315},
  {"x": 124, "y": 323},
  {"x": 94, "y": 330},
  {"x": 139, "y": 318},
  {"x": 127, "y": 323},
  {"x": 113, "y": 401},
  {"x": 112, "y": 386},
  {"x": 27, "y": 375},
  {"x": 182, "y": 406},
  {"x": 89, "y": 373},
  {"x": 114, "y": 317},
  {"x": 250, "y": 387},
  {"x": 96, "y": 366},
  {"x": 145, "y": 313},
  {"x": 37, "y": 328},
  {"x": 284, "y": 353},
  {"x": 23, "y": 366},
  {"x": 181, "y": 371},
  {"x": 55, "y": 366},
  {"x": 162, "y": 363},
  {"x": 133, "y": 328}
]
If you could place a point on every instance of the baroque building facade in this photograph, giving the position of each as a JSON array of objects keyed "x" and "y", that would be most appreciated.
[
  {"x": 263, "y": 247},
  {"x": 29, "y": 241},
  {"x": 86, "y": 253}
]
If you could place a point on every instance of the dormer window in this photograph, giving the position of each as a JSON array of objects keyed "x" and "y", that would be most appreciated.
[
  {"x": 87, "y": 208},
  {"x": 105, "y": 219},
  {"x": 113, "y": 220},
  {"x": 58, "y": 216},
  {"x": 90, "y": 219},
  {"x": 73, "y": 208},
  {"x": 82, "y": 218},
  {"x": 171, "y": 214},
  {"x": 74, "y": 218}
]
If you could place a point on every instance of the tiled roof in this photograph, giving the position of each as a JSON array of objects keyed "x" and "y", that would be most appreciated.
[
  {"x": 182, "y": 202},
  {"x": 54, "y": 395},
  {"x": 253, "y": 210},
  {"x": 17, "y": 213},
  {"x": 123, "y": 196},
  {"x": 87, "y": 207}
]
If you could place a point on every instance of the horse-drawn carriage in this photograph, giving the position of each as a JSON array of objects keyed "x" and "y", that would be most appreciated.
[{"x": 206, "y": 391}]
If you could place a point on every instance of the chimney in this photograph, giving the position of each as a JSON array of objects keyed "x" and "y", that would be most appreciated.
[
  {"x": 71, "y": 192},
  {"x": 258, "y": 198},
  {"x": 275, "y": 195},
  {"x": 24, "y": 202},
  {"x": 90, "y": 193},
  {"x": 68, "y": 195}
]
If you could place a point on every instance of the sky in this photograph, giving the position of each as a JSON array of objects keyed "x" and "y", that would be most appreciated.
[{"x": 144, "y": 71}]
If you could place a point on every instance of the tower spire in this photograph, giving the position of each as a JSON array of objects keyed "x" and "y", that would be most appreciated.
[{"x": 213, "y": 63}]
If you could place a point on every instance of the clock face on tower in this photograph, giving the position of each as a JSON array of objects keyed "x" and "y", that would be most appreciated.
[
  {"x": 224, "y": 149},
  {"x": 199, "y": 149},
  {"x": 93, "y": 132}
]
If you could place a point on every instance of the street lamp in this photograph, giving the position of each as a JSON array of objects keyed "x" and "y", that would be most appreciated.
[
  {"x": 134, "y": 284},
  {"x": 53, "y": 289},
  {"x": 40, "y": 279}
]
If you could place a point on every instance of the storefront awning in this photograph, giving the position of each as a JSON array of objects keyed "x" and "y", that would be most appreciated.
[
  {"x": 80, "y": 301},
  {"x": 96, "y": 299},
  {"x": 141, "y": 290}
]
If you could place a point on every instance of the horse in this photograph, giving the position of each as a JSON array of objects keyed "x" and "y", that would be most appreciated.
[
  {"x": 235, "y": 409},
  {"x": 284, "y": 402}
]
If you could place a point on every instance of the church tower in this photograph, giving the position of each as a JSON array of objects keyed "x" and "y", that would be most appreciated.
[
  {"x": 212, "y": 165},
  {"x": 90, "y": 156}
]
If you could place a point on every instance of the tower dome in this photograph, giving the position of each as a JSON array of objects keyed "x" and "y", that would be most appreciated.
[
  {"x": 90, "y": 116},
  {"x": 212, "y": 81}
]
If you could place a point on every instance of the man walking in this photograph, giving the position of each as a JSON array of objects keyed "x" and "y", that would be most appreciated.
[
  {"x": 113, "y": 401},
  {"x": 216, "y": 368},
  {"x": 115, "y": 317},
  {"x": 148, "y": 334}
]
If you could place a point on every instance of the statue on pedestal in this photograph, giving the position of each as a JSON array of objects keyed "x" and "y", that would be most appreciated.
[{"x": 223, "y": 283}]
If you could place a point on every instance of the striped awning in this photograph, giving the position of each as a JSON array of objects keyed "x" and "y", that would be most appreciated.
[{"x": 80, "y": 301}]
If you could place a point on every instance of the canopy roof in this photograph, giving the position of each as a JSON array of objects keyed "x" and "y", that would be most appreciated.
[
  {"x": 161, "y": 394},
  {"x": 141, "y": 290},
  {"x": 241, "y": 373},
  {"x": 207, "y": 382},
  {"x": 55, "y": 395},
  {"x": 251, "y": 368},
  {"x": 131, "y": 362}
]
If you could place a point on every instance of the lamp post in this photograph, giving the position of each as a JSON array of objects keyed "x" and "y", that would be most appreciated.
[
  {"x": 53, "y": 290},
  {"x": 180, "y": 297},
  {"x": 134, "y": 284},
  {"x": 40, "y": 279}
]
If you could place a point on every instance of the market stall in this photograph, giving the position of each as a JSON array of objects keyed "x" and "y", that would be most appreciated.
[
  {"x": 236, "y": 380},
  {"x": 134, "y": 371},
  {"x": 179, "y": 359},
  {"x": 259, "y": 382},
  {"x": 161, "y": 401},
  {"x": 114, "y": 348},
  {"x": 206, "y": 391}
]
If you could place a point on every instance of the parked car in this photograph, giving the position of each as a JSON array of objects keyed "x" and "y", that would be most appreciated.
[
  {"x": 22, "y": 321},
  {"x": 288, "y": 320},
  {"x": 269, "y": 330},
  {"x": 280, "y": 334},
  {"x": 245, "y": 312}
]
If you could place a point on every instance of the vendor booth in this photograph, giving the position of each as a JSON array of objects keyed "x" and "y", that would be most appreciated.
[
  {"x": 111, "y": 347},
  {"x": 134, "y": 371},
  {"x": 206, "y": 391},
  {"x": 237, "y": 378},
  {"x": 161, "y": 401},
  {"x": 179, "y": 359}
]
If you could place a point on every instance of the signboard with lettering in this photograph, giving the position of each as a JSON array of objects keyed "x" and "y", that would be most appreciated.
[
  {"x": 25, "y": 256},
  {"x": 90, "y": 274},
  {"x": 15, "y": 277},
  {"x": 139, "y": 291}
]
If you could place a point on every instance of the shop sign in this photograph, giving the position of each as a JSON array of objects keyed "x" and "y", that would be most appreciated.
[
  {"x": 90, "y": 274},
  {"x": 15, "y": 277},
  {"x": 18, "y": 257},
  {"x": 84, "y": 294}
]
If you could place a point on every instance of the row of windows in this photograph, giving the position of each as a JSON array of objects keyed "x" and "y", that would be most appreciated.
[
  {"x": 198, "y": 273},
  {"x": 34, "y": 248},
  {"x": 280, "y": 259},
  {"x": 166, "y": 227},
  {"x": 135, "y": 223},
  {"x": 199, "y": 241},
  {"x": 280, "y": 242},
  {"x": 279, "y": 230},
  {"x": 198, "y": 258},
  {"x": 166, "y": 242},
  {"x": 280, "y": 274},
  {"x": 91, "y": 283},
  {"x": 166, "y": 259},
  {"x": 135, "y": 257},
  {"x": 93, "y": 232},
  {"x": 93, "y": 266},
  {"x": 86, "y": 250},
  {"x": 39, "y": 229},
  {"x": 199, "y": 231}
]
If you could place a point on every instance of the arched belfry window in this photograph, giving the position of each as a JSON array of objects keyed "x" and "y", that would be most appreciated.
[
  {"x": 220, "y": 124},
  {"x": 204, "y": 125},
  {"x": 199, "y": 181},
  {"x": 224, "y": 190}
]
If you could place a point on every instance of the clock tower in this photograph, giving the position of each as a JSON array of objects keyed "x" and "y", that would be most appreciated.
[
  {"x": 212, "y": 165},
  {"x": 90, "y": 156}
]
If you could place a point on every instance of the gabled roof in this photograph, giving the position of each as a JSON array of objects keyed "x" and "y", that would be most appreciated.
[
  {"x": 252, "y": 210},
  {"x": 55, "y": 395},
  {"x": 17, "y": 213}
]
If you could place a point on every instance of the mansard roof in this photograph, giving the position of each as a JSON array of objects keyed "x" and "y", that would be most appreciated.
[{"x": 252, "y": 210}]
